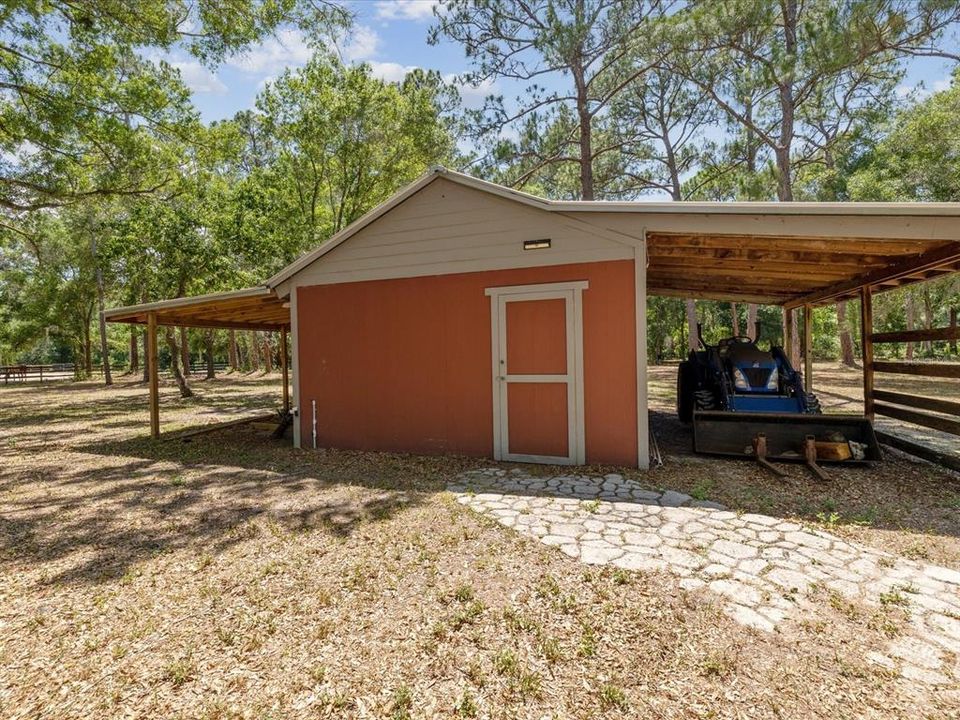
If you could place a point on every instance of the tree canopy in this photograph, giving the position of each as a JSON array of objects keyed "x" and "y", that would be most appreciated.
[{"x": 113, "y": 190}]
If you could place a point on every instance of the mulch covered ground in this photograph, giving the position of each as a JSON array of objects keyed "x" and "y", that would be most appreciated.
[{"x": 234, "y": 577}]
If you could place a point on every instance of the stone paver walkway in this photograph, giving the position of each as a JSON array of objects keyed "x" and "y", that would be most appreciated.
[{"x": 764, "y": 567}]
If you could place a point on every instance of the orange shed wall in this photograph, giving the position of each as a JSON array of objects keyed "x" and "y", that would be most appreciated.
[{"x": 405, "y": 365}]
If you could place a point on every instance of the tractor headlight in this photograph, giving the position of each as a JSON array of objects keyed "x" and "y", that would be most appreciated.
[
  {"x": 740, "y": 380},
  {"x": 773, "y": 383}
]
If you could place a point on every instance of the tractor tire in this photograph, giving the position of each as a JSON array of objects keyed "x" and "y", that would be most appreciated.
[
  {"x": 686, "y": 391},
  {"x": 813, "y": 404},
  {"x": 705, "y": 400}
]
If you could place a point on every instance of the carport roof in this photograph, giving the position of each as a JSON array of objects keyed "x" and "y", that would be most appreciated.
[
  {"x": 789, "y": 270},
  {"x": 256, "y": 308},
  {"x": 690, "y": 256},
  {"x": 775, "y": 253}
]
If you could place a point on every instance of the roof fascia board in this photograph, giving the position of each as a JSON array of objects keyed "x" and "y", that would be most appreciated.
[
  {"x": 696, "y": 207},
  {"x": 639, "y": 208},
  {"x": 850, "y": 209},
  {"x": 181, "y": 302}
]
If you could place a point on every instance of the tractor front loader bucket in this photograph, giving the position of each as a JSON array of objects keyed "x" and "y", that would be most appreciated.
[{"x": 785, "y": 436}]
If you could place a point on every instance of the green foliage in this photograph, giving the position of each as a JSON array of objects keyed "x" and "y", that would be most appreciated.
[
  {"x": 338, "y": 142},
  {"x": 920, "y": 157},
  {"x": 559, "y": 136},
  {"x": 106, "y": 170},
  {"x": 85, "y": 114},
  {"x": 184, "y": 209}
]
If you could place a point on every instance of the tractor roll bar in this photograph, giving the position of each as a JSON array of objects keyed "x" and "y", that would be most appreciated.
[{"x": 703, "y": 344}]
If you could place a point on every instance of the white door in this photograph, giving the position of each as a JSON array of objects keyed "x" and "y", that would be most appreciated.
[{"x": 537, "y": 339}]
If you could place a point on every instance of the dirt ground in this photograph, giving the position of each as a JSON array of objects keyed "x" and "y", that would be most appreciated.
[
  {"x": 902, "y": 505},
  {"x": 234, "y": 577}
]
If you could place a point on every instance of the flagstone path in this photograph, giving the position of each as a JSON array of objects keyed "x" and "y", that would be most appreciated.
[{"x": 764, "y": 567}]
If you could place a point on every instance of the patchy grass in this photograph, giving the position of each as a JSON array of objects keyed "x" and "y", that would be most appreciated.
[
  {"x": 901, "y": 505},
  {"x": 232, "y": 576}
]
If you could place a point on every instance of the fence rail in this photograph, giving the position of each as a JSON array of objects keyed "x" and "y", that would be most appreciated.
[
  {"x": 941, "y": 414},
  {"x": 26, "y": 373},
  {"x": 67, "y": 371}
]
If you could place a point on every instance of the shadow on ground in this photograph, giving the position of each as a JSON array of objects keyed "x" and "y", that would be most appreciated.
[{"x": 89, "y": 495}]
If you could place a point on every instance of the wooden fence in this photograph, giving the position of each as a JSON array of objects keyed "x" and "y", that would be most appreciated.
[
  {"x": 67, "y": 371},
  {"x": 936, "y": 413},
  {"x": 39, "y": 373}
]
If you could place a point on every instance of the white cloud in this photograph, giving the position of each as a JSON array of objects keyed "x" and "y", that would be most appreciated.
[
  {"x": 920, "y": 91},
  {"x": 405, "y": 9},
  {"x": 472, "y": 97},
  {"x": 363, "y": 44},
  {"x": 389, "y": 71},
  {"x": 941, "y": 85},
  {"x": 288, "y": 47},
  {"x": 903, "y": 91},
  {"x": 198, "y": 78}
]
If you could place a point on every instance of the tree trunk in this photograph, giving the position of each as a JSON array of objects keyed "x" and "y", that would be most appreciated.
[
  {"x": 953, "y": 325},
  {"x": 911, "y": 320},
  {"x": 928, "y": 318},
  {"x": 692, "y": 343},
  {"x": 175, "y": 356},
  {"x": 736, "y": 319},
  {"x": 87, "y": 350},
  {"x": 586, "y": 134},
  {"x": 232, "y": 350},
  {"x": 846, "y": 339},
  {"x": 185, "y": 350},
  {"x": 101, "y": 321},
  {"x": 211, "y": 370},
  {"x": 134, "y": 351},
  {"x": 267, "y": 354},
  {"x": 146, "y": 358},
  {"x": 254, "y": 351},
  {"x": 793, "y": 350},
  {"x": 752, "y": 320},
  {"x": 784, "y": 182}
]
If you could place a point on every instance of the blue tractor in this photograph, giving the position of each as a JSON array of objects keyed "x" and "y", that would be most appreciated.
[
  {"x": 737, "y": 376},
  {"x": 747, "y": 402}
]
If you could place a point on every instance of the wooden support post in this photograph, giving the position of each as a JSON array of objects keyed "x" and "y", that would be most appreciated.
[
  {"x": 285, "y": 365},
  {"x": 866, "y": 339},
  {"x": 808, "y": 347},
  {"x": 153, "y": 375}
]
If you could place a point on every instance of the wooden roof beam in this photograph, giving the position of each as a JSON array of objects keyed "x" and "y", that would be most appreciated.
[
  {"x": 944, "y": 256},
  {"x": 210, "y": 325},
  {"x": 801, "y": 257},
  {"x": 754, "y": 269},
  {"x": 847, "y": 245},
  {"x": 744, "y": 297}
]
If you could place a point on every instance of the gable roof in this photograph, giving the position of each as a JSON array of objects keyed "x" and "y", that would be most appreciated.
[
  {"x": 641, "y": 207},
  {"x": 386, "y": 206},
  {"x": 725, "y": 250}
]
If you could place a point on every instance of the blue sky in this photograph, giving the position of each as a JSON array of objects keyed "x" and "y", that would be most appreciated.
[{"x": 391, "y": 35}]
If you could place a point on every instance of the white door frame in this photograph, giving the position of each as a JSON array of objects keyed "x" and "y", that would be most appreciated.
[{"x": 572, "y": 293}]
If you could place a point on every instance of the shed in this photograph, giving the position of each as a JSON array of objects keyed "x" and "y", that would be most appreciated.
[{"x": 465, "y": 317}]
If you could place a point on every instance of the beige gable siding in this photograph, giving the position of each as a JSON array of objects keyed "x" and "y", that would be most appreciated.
[{"x": 449, "y": 228}]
